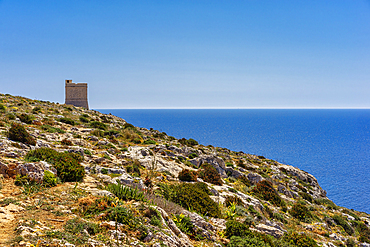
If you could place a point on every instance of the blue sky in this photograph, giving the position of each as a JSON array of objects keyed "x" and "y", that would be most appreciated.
[{"x": 189, "y": 54}]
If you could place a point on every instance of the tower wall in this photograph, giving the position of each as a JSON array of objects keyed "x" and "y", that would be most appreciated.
[{"x": 76, "y": 94}]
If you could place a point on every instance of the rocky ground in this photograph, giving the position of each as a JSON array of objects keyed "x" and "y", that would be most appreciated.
[{"x": 279, "y": 205}]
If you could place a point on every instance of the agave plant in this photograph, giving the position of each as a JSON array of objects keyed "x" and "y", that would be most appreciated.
[{"x": 125, "y": 193}]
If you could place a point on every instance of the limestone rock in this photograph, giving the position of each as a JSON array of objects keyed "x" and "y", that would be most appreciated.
[{"x": 254, "y": 178}]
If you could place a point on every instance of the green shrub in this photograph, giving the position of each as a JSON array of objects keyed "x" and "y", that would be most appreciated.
[
  {"x": 236, "y": 228},
  {"x": 280, "y": 218},
  {"x": 76, "y": 231},
  {"x": 2, "y": 108},
  {"x": 51, "y": 129},
  {"x": 229, "y": 200},
  {"x": 36, "y": 110},
  {"x": 301, "y": 212},
  {"x": 187, "y": 175},
  {"x": 236, "y": 241},
  {"x": 134, "y": 170},
  {"x": 190, "y": 142},
  {"x": 137, "y": 141},
  {"x": 364, "y": 232},
  {"x": 124, "y": 216},
  {"x": 98, "y": 125},
  {"x": 326, "y": 202},
  {"x": 66, "y": 142},
  {"x": 209, "y": 174},
  {"x": 49, "y": 179},
  {"x": 193, "y": 155},
  {"x": 244, "y": 180},
  {"x": 192, "y": 197},
  {"x": 339, "y": 220},
  {"x": 148, "y": 142},
  {"x": 67, "y": 121},
  {"x": 11, "y": 116},
  {"x": 68, "y": 165},
  {"x": 184, "y": 224},
  {"x": 83, "y": 119},
  {"x": 18, "y": 133},
  {"x": 87, "y": 152},
  {"x": 204, "y": 187},
  {"x": 125, "y": 193},
  {"x": 104, "y": 171},
  {"x": 299, "y": 240},
  {"x": 266, "y": 191},
  {"x": 154, "y": 215},
  {"x": 25, "y": 118},
  {"x": 306, "y": 196},
  {"x": 111, "y": 132}
]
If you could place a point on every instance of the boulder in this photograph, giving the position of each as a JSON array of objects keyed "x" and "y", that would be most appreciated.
[{"x": 254, "y": 178}]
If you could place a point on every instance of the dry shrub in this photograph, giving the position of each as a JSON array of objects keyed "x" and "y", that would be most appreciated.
[
  {"x": 130, "y": 135},
  {"x": 168, "y": 206}
]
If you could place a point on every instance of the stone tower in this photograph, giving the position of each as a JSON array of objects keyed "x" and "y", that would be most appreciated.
[{"x": 76, "y": 94}]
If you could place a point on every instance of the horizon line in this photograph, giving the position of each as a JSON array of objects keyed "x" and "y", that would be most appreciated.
[{"x": 236, "y": 108}]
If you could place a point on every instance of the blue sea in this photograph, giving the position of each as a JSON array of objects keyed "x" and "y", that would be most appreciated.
[{"x": 333, "y": 145}]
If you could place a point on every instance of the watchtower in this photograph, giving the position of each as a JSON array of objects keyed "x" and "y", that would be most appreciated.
[{"x": 76, "y": 94}]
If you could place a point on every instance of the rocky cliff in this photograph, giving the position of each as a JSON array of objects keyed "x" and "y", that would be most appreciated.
[{"x": 71, "y": 176}]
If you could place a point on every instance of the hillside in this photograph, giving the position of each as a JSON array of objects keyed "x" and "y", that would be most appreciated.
[{"x": 76, "y": 177}]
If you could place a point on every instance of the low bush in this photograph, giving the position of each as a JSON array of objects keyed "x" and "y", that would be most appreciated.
[
  {"x": 154, "y": 215},
  {"x": 204, "y": 187},
  {"x": 36, "y": 110},
  {"x": 66, "y": 142},
  {"x": 187, "y": 175},
  {"x": 148, "y": 142},
  {"x": 236, "y": 241},
  {"x": 18, "y": 133},
  {"x": 49, "y": 179},
  {"x": 301, "y": 212},
  {"x": 26, "y": 118},
  {"x": 11, "y": 116},
  {"x": 68, "y": 165},
  {"x": 339, "y": 220},
  {"x": 191, "y": 142},
  {"x": 191, "y": 197},
  {"x": 124, "y": 216},
  {"x": 306, "y": 196},
  {"x": 67, "y": 121},
  {"x": 193, "y": 155},
  {"x": 76, "y": 231},
  {"x": 299, "y": 240},
  {"x": 266, "y": 191},
  {"x": 2, "y": 108},
  {"x": 134, "y": 170},
  {"x": 84, "y": 119},
  {"x": 98, "y": 125},
  {"x": 209, "y": 174},
  {"x": 326, "y": 202},
  {"x": 111, "y": 133},
  {"x": 236, "y": 228},
  {"x": 51, "y": 129},
  {"x": 184, "y": 223},
  {"x": 364, "y": 232}
]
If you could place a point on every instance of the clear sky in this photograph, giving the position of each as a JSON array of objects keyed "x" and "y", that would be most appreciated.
[{"x": 189, "y": 54}]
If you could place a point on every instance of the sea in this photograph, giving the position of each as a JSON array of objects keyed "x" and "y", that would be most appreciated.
[{"x": 331, "y": 144}]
